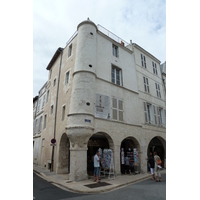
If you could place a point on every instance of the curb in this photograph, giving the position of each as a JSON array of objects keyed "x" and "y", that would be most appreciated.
[{"x": 91, "y": 192}]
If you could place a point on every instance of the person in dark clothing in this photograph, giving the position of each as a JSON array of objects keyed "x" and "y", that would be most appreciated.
[{"x": 151, "y": 162}]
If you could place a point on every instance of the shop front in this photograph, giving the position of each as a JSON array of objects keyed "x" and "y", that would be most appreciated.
[
  {"x": 130, "y": 148},
  {"x": 97, "y": 141},
  {"x": 158, "y": 144}
]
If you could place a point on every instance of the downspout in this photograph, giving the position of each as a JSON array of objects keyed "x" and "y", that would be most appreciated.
[{"x": 54, "y": 135}]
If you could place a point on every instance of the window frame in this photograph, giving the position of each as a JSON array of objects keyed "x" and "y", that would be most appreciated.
[
  {"x": 67, "y": 77},
  {"x": 63, "y": 112},
  {"x": 114, "y": 79},
  {"x": 158, "y": 92},
  {"x": 69, "y": 50},
  {"x": 155, "y": 71},
  {"x": 143, "y": 61},
  {"x": 118, "y": 109},
  {"x": 115, "y": 50},
  {"x": 146, "y": 84},
  {"x": 45, "y": 121}
]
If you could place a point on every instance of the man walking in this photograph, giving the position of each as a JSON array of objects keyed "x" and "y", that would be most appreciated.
[{"x": 96, "y": 166}]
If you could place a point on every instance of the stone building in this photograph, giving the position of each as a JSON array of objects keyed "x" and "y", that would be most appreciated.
[{"x": 101, "y": 93}]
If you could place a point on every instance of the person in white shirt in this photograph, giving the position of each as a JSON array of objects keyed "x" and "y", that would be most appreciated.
[{"x": 96, "y": 166}]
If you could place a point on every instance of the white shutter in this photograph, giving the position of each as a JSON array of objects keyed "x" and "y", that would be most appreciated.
[
  {"x": 155, "y": 115},
  {"x": 114, "y": 108},
  {"x": 158, "y": 113},
  {"x": 120, "y": 106},
  {"x": 114, "y": 114},
  {"x": 145, "y": 112},
  {"x": 163, "y": 113},
  {"x": 152, "y": 114}
]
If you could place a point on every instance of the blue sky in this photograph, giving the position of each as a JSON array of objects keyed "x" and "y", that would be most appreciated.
[{"x": 54, "y": 22}]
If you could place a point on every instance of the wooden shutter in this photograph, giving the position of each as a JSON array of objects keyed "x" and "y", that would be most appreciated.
[
  {"x": 114, "y": 114},
  {"x": 114, "y": 108},
  {"x": 147, "y": 84},
  {"x": 145, "y": 112},
  {"x": 158, "y": 113},
  {"x": 142, "y": 60},
  {"x": 155, "y": 115},
  {"x": 120, "y": 106}
]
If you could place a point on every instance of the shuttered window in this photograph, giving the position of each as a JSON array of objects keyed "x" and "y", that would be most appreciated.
[
  {"x": 47, "y": 96},
  {"x": 45, "y": 121},
  {"x": 158, "y": 90},
  {"x": 145, "y": 112},
  {"x": 117, "y": 109},
  {"x": 146, "y": 84},
  {"x": 43, "y": 100},
  {"x": 154, "y": 68},
  {"x": 40, "y": 124},
  {"x": 155, "y": 115},
  {"x": 143, "y": 61}
]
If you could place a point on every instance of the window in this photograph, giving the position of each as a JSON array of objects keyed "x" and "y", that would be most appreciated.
[
  {"x": 45, "y": 121},
  {"x": 143, "y": 61},
  {"x": 52, "y": 109},
  {"x": 67, "y": 78},
  {"x": 38, "y": 106},
  {"x": 40, "y": 124},
  {"x": 47, "y": 96},
  {"x": 115, "y": 50},
  {"x": 63, "y": 113},
  {"x": 146, "y": 84},
  {"x": 161, "y": 116},
  {"x": 158, "y": 90},
  {"x": 117, "y": 109},
  {"x": 116, "y": 75},
  {"x": 54, "y": 82},
  {"x": 43, "y": 100},
  {"x": 148, "y": 113},
  {"x": 70, "y": 50},
  {"x": 154, "y": 68}
]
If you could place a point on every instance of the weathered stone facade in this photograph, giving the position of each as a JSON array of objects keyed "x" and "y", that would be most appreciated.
[{"x": 87, "y": 72}]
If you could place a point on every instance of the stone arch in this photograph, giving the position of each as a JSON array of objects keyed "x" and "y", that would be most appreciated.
[
  {"x": 158, "y": 144},
  {"x": 127, "y": 147},
  {"x": 64, "y": 155},
  {"x": 97, "y": 140}
]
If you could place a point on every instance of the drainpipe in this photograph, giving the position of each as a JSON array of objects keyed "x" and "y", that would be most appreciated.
[{"x": 54, "y": 135}]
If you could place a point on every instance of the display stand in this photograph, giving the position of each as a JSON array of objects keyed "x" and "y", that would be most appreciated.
[
  {"x": 111, "y": 170},
  {"x": 107, "y": 164}
]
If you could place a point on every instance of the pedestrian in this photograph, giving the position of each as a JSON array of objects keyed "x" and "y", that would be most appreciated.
[
  {"x": 151, "y": 163},
  {"x": 96, "y": 166},
  {"x": 127, "y": 160},
  {"x": 157, "y": 167}
]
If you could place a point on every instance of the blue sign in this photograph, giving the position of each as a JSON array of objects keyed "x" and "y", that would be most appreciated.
[{"x": 88, "y": 120}]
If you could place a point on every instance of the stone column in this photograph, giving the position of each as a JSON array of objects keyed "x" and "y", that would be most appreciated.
[
  {"x": 78, "y": 164},
  {"x": 116, "y": 154}
]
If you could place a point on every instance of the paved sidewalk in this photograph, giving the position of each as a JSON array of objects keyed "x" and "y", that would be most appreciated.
[{"x": 93, "y": 187}]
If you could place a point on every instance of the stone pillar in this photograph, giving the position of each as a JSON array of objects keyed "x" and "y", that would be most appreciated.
[
  {"x": 78, "y": 137},
  {"x": 116, "y": 155},
  {"x": 78, "y": 164}
]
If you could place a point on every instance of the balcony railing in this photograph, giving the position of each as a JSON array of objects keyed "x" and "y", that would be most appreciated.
[{"x": 112, "y": 35}]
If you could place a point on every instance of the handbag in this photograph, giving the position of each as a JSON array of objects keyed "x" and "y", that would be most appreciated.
[{"x": 159, "y": 161}]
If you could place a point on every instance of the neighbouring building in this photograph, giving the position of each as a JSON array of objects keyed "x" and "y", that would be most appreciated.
[{"x": 102, "y": 92}]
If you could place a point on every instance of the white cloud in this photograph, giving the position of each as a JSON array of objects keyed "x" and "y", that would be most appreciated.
[{"x": 54, "y": 22}]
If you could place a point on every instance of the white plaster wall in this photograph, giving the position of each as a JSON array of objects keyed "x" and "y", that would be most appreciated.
[{"x": 125, "y": 61}]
